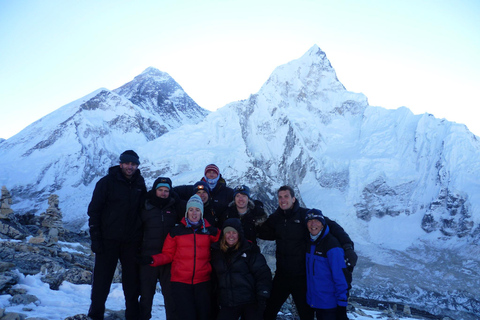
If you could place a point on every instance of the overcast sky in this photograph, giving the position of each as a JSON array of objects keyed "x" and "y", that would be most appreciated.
[{"x": 424, "y": 55}]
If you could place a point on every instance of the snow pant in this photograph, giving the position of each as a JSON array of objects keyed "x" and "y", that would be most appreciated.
[
  {"x": 282, "y": 287},
  {"x": 326, "y": 314},
  {"x": 193, "y": 300},
  {"x": 103, "y": 272},
  {"x": 246, "y": 312},
  {"x": 148, "y": 285}
]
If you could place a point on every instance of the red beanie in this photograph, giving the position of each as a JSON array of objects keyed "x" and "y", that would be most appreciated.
[{"x": 213, "y": 168}]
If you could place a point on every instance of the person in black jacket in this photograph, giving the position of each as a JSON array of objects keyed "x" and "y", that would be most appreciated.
[
  {"x": 286, "y": 226},
  {"x": 243, "y": 277},
  {"x": 219, "y": 194},
  {"x": 250, "y": 212},
  {"x": 161, "y": 212},
  {"x": 115, "y": 232}
]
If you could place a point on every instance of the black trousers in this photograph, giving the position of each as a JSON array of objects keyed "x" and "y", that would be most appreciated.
[
  {"x": 148, "y": 283},
  {"x": 104, "y": 269},
  {"x": 282, "y": 287},
  {"x": 193, "y": 300},
  {"x": 246, "y": 312},
  {"x": 326, "y": 314}
]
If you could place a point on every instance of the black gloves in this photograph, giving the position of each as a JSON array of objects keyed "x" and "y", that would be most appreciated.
[
  {"x": 145, "y": 260},
  {"x": 350, "y": 255},
  {"x": 261, "y": 304},
  {"x": 97, "y": 246},
  {"x": 341, "y": 313},
  {"x": 96, "y": 237}
]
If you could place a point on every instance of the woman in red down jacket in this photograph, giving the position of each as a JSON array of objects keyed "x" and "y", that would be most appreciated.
[{"x": 187, "y": 247}]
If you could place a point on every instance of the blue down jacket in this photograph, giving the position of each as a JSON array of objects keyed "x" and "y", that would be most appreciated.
[{"x": 326, "y": 283}]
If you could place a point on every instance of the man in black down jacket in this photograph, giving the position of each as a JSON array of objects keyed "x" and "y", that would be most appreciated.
[
  {"x": 219, "y": 194},
  {"x": 115, "y": 232},
  {"x": 161, "y": 212},
  {"x": 287, "y": 227}
]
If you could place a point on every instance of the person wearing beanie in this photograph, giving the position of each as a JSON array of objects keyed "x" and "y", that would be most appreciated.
[
  {"x": 219, "y": 194},
  {"x": 244, "y": 280},
  {"x": 326, "y": 283},
  {"x": 116, "y": 233},
  {"x": 250, "y": 212},
  {"x": 160, "y": 213},
  {"x": 187, "y": 248},
  {"x": 286, "y": 226}
]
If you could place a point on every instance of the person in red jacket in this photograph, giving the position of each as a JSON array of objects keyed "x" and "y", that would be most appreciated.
[{"x": 187, "y": 247}]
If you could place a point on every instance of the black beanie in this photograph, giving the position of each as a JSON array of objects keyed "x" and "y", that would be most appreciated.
[{"x": 129, "y": 156}]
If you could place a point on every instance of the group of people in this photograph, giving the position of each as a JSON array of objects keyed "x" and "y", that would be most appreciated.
[{"x": 200, "y": 242}]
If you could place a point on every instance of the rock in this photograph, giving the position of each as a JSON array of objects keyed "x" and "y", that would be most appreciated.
[{"x": 24, "y": 299}]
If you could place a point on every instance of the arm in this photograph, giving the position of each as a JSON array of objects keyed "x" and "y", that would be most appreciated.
[
  {"x": 262, "y": 274},
  {"x": 336, "y": 262},
  {"x": 267, "y": 230},
  {"x": 347, "y": 244},
  {"x": 95, "y": 209},
  {"x": 167, "y": 254}
]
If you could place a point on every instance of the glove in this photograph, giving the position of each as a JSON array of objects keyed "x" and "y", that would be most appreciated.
[
  {"x": 97, "y": 246},
  {"x": 144, "y": 260},
  {"x": 341, "y": 313},
  {"x": 350, "y": 255},
  {"x": 261, "y": 304}
]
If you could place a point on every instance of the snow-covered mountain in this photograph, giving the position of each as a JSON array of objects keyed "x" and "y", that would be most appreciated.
[{"x": 406, "y": 187}]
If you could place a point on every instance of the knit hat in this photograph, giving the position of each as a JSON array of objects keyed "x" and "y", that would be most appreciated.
[
  {"x": 315, "y": 214},
  {"x": 213, "y": 168},
  {"x": 129, "y": 156},
  {"x": 233, "y": 224},
  {"x": 194, "y": 201},
  {"x": 162, "y": 182},
  {"x": 201, "y": 185},
  {"x": 241, "y": 189}
]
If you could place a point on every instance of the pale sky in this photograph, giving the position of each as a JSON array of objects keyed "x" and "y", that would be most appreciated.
[{"x": 424, "y": 55}]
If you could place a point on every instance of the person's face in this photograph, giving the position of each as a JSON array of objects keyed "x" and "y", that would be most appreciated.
[
  {"x": 241, "y": 201},
  {"x": 203, "y": 195},
  {"x": 231, "y": 238},
  {"x": 211, "y": 174},
  {"x": 128, "y": 169},
  {"x": 194, "y": 214},
  {"x": 314, "y": 226},
  {"x": 162, "y": 192},
  {"x": 285, "y": 200}
]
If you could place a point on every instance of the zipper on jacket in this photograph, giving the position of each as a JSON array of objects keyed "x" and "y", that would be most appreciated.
[{"x": 194, "y": 253}]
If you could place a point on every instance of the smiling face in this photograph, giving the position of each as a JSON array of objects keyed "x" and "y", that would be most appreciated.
[
  {"x": 210, "y": 174},
  {"x": 231, "y": 238},
  {"x": 162, "y": 192},
  {"x": 203, "y": 195},
  {"x": 128, "y": 169},
  {"x": 314, "y": 226},
  {"x": 241, "y": 201},
  {"x": 194, "y": 214},
  {"x": 285, "y": 200}
]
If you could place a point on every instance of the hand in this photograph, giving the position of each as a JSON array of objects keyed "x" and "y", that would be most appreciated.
[
  {"x": 350, "y": 255},
  {"x": 341, "y": 313},
  {"x": 97, "y": 246},
  {"x": 144, "y": 260},
  {"x": 261, "y": 304}
]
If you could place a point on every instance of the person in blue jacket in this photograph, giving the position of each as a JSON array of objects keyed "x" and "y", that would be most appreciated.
[{"x": 326, "y": 282}]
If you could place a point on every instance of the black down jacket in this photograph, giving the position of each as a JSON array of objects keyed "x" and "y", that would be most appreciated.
[
  {"x": 114, "y": 212},
  {"x": 242, "y": 276}
]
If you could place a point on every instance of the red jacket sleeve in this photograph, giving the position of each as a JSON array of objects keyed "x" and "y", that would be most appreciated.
[{"x": 167, "y": 254}]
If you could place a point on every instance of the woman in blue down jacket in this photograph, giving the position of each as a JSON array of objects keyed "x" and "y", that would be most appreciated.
[
  {"x": 243, "y": 277},
  {"x": 326, "y": 283}
]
